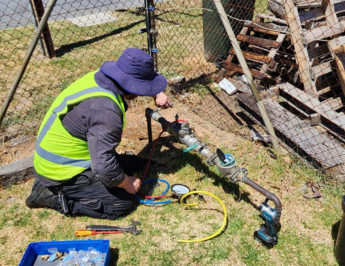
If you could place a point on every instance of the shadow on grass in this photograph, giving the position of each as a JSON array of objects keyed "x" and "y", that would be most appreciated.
[
  {"x": 335, "y": 230},
  {"x": 114, "y": 256},
  {"x": 338, "y": 244},
  {"x": 169, "y": 160},
  {"x": 69, "y": 47}
]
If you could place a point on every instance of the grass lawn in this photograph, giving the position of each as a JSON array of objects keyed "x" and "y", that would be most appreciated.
[{"x": 309, "y": 226}]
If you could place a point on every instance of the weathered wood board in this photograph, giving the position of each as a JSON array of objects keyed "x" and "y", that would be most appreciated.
[{"x": 323, "y": 151}]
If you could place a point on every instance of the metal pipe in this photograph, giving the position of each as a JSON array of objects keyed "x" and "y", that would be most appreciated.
[
  {"x": 339, "y": 248},
  {"x": 267, "y": 234},
  {"x": 148, "y": 27},
  {"x": 149, "y": 125},
  {"x": 26, "y": 60},
  {"x": 35, "y": 24},
  {"x": 278, "y": 206},
  {"x": 246, "y": 71},
  {"x": 203, "y": 150},
  {"x": 153, "y": 34}
]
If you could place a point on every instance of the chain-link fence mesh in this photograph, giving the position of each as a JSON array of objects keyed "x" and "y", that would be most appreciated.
[{"x": 294, "y": 49}]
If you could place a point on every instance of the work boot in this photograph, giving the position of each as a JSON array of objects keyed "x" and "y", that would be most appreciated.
[{"x": 42, "y": 197}]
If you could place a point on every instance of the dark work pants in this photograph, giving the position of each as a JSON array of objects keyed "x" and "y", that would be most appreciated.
[{"x": 86, "y": 195}]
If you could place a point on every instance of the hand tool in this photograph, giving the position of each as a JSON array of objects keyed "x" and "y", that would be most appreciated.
[
  {"x": 94, "y": 232},
  {"x": 132, "y": 228}
]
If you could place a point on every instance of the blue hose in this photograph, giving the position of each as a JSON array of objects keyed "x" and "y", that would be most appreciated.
[{"x": 152, "y": 201}]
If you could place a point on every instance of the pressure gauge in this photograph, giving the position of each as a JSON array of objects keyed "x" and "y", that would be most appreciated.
[{"x": 179, "y": 189}]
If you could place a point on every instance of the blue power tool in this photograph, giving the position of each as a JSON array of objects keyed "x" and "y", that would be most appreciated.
[{"x": 267, "y": 234}]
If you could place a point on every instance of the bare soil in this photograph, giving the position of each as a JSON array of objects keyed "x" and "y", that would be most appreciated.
[{"x": 135, "y": 136}]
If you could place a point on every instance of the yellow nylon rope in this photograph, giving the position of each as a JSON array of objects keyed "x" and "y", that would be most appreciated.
[{"x": 194, "y": 204}]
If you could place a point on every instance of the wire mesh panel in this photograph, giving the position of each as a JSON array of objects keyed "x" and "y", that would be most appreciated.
[
  {"x": 294, "y": 51},
  {"x": 80, "y": 36},
  {"x": 180, "y": 39}
]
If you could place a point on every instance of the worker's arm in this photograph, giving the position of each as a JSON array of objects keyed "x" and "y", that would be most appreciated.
[
  {"x": 104, "y": 123},
  {"x": 162, "y": 100},
  {"x": 131, "y": 184}
]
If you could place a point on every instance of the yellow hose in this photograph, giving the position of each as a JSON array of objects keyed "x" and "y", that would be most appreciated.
[{"x": 194, "y": 204}]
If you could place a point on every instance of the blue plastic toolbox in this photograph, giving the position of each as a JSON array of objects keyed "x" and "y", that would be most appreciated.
[{"x": 36, "y": 249}]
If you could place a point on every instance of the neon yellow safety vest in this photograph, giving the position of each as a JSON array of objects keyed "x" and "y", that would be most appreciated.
[{"x": 58, "y": 155}]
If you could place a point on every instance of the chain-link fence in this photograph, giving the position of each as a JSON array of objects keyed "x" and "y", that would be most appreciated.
[{"x": 294, "y": 50}]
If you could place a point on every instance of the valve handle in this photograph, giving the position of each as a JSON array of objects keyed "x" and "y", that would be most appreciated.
[{"x": 221, "y": 155}]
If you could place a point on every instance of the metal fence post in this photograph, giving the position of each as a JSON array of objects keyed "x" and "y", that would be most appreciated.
[
  {"x": 151, "y": 31},
  {"x": 26, "y": 60},
  {"x": 246, "y": 71}
]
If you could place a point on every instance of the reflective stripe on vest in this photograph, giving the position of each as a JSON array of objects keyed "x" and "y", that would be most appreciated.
[{"x": 58, "y": 167}]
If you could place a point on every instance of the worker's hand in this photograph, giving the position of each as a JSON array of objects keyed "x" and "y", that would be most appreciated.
[
  {"x": 162, "y": 100},
  {"x": 131, "y": 184}
]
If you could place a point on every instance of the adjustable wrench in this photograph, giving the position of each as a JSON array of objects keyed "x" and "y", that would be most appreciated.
[{"x": 132, "y": 228}]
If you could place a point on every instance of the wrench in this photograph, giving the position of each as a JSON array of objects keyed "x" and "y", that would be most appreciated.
[{"x": 132, "y": 228}]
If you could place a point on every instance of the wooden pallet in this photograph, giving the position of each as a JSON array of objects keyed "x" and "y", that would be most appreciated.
[
  {"x": 325, "y": 110},
  {"x": 297, "y": 134},
  {"x": 311, "y": 23},
  {"x": 260, "y": 43}
]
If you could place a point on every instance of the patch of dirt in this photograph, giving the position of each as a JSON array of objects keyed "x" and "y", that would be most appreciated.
[
  {"x": 15, "y": 148},
  {"x": 135, "y": 135}
]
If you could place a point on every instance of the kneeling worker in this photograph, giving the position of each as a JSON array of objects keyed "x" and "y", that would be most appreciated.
[{"x": 77, "y": 170}]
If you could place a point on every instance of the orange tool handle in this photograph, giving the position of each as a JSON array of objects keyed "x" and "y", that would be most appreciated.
[
  {"x": 94, "y": 232},
  {"x": 84, "y": 233}
]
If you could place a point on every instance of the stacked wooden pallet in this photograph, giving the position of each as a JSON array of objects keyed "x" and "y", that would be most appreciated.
[
  {"x": 260, "y": 43},
  {"x": 314, "y": 146},
  {"x": 317, "y": 30},
  {"x": 299, "y": 45}
]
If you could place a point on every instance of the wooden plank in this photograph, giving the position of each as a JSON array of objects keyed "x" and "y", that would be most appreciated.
[
  {"x": 329, "y": 12},
  {"x": 302, "y": 58},
  {"x": 325, "y": 110},
  {"x": 272, "y": 18},
  {"x": 323, "y": 32},
  {"x": 334, "y": 103},
  {"x": 233, "y": 67},
  {"x": 312, "y": 14},
  {"x": 340, "y": 62},
  {"x": 253, "y": 57},
  {"x": 330, "y": 15},
  {"x": 258, "y": 41},
  {"x": 327, "y": 89},
  {"x": 303, "y": 4},
  {"x": 337, "y": 47},
  {"x": 242, "y": 87},
  {"x": 322, "y": 69},
  {"x": 310, "y": 140},
  {"x": 268, "y": 28},
  {"x": 307, "y": 3},
  {"x": 271, "y": 54},
  {"x": 243, "y": 32}
]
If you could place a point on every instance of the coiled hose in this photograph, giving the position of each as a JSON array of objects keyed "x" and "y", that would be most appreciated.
[{"x": 194, "y": 204}]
